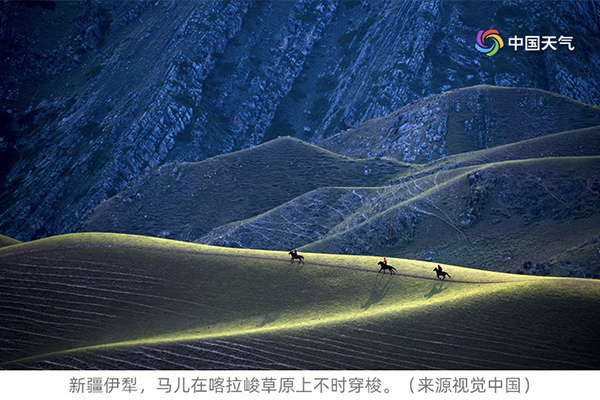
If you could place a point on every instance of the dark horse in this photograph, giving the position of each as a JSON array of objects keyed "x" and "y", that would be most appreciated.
[
  {"x": 295, "y": 255},
  {"x": 441, "y": 274},
  {"x": 385, "y": 267}
]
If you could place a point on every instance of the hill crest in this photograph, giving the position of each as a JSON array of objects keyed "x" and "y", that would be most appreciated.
[
  {"x": 231, "y": 187},
  {"x": 463, "y": 120},
  {"x": 139, "y": 302}
]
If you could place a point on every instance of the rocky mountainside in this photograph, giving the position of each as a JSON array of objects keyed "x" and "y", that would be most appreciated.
[{"x": 95, "y": 93}]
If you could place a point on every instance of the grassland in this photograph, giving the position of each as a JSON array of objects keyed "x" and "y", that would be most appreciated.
[
  {"x": 202, "y": 196},
  {"x": 497, "y": 215},
  {"x": 110, "y": 301},
  {"x": 461, "y": 121},
  {"x": 7, "y": 241}
]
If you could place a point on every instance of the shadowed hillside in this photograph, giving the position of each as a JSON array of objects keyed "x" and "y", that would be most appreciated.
[
  {"x": 131, "y": 302},
  {"x": 461, "y": 121},
  {"x": 549, "y": 193},
  {"x": 497, "y": 216},
  {"x": 185, "y": 201}
]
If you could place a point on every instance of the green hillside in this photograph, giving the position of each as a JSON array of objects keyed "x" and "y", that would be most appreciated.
[
  {"x": 578, "y": 143},
  {"x": 7, "y": 241},
  {"x": 185, "y": 201},
  {"x": 495, "y": 216},
  {"x": 461, "y": 121},
  {"x": 129, "y": 302}
]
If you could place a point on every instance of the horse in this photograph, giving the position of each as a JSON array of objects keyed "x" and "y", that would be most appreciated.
[
  {"x": 441, "y": 274},
  {"x": 385, "y": 266},
  {"x": 294, "y": 256}
]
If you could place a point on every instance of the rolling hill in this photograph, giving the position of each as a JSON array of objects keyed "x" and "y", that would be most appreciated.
[
  {"x": 513, "y": 220},
  {"x": 497, "y": 216},
  {"x": 114, "y": 301},
  {"x": 7, "y": 241},
  {"x": 461, "y": 121},
  {"x": 202, "y": 196},
  {"x": 539, "y": 186}
]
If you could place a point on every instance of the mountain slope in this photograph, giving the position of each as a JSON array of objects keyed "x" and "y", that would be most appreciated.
[
  {"x": 577, "y": 143},
  {"x": 6, "y": 241},
  {"x": 118, "y": 301},
  {"x": 495, "y": 216},
  {"x": 462, "y": 121},
  {"x": 232, "y": 187},
  {"x": 317, "y": 213},
  {"x": 96, "y": 92}
]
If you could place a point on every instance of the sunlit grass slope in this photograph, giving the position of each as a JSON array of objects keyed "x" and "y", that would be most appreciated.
[
  {"x": 576, "y": 143},
  {"x": 117, "y": 301},
  {"x": 7, "y": 241}
]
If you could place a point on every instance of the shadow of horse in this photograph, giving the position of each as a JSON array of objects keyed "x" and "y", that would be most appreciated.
[
  {"x": 436, "y": 289},
  {"x": 378, "y": 291},
  {"x": 269, "y": 318}
]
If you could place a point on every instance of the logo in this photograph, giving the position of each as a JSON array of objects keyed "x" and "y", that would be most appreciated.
[{"x": 495, "y": 42}]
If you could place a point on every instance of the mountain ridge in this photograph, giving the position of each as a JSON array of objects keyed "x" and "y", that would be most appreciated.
[
  {"x": 107, "y": 90},
  {"x": 231, "y": 187},
  {"x": 463, "y": 120}
]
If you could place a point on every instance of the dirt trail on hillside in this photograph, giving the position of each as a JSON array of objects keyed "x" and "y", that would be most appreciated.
[{"x": 191, "y": 252}]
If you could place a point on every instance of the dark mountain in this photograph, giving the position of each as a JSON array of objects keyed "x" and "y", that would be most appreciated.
[{"x": 95, "y": 93}]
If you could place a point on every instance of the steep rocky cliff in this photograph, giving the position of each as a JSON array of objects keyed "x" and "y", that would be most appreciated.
[{"x": 96, "y": 93}]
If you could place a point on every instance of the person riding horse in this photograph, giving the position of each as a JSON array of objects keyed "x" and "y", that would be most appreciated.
[
  {"x": 385, "y": 266},
  {"x": 441, "y": 274},
  {"x": 294, "y": 254}
]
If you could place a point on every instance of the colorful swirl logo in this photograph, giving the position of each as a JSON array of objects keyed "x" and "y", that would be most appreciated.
[{"x": 494, "y": 36}]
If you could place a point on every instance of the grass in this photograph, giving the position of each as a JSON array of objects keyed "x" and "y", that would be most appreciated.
[
  {"x": 7, "y": 241},
  {"x": 576, "y": 143},
  {"x": 232, "y": 187},
  {"x": 110, "y": 296},
  {"x": 524, "y": 210},
  {"x": 475, "y": 118}
]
